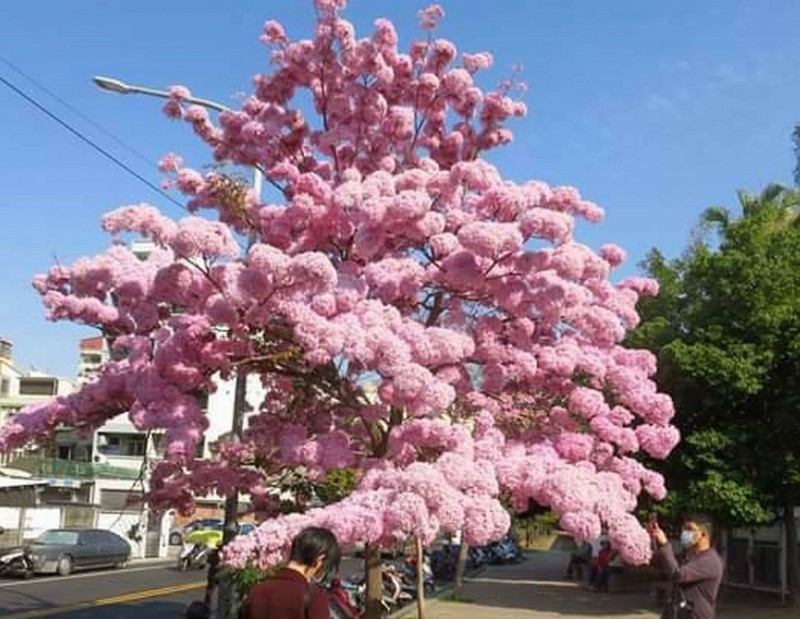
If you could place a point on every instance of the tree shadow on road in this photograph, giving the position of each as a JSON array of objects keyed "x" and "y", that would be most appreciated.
[{"x": 15, "y": 601}]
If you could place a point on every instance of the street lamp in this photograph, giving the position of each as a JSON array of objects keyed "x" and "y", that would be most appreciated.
[
  {"x": 240, "y": 389},
  {"x": 114, "y": 85},
  {"x": 111, "y": 84}
]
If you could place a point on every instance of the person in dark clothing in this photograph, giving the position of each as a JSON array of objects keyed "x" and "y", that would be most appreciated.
[
  {"x": 579, "y": 558},
  {"x": 700, "y": 575},
  {"x": 292, "y": 593},
  {"x": 603, "y": 574}
]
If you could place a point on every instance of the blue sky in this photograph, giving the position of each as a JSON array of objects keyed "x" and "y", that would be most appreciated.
[{"x": 655, "y": 110}]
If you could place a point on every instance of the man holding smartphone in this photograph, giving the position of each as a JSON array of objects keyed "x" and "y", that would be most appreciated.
[{"x": 697, "y": 578}]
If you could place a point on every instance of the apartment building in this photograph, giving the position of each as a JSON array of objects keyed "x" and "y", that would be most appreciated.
[{"x": 19, "y": 389}]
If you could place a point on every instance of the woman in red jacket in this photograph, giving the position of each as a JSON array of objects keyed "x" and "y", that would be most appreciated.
[{"x": 292, "y": 593}]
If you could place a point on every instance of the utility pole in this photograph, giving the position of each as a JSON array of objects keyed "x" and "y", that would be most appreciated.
[{"x": 226, "y": 600}]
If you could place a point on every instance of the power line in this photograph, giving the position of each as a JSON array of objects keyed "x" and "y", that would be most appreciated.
[
  {"x": 148, "y": 160},
  {"x": 88, "y": 141}
]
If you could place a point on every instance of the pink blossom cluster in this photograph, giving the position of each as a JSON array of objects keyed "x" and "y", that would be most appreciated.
[
  {"x": 411, "y": 314},
  {"x": 451, "y": 492}
]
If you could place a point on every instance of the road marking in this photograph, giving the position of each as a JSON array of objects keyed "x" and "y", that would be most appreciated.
[
  {"x": 149, "y": 593},
  {"x": 110, "y": 601},
  {"x": 39, "y": 581}
]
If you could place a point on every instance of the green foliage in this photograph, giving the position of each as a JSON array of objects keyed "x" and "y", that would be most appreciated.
[
  {"x": 726, "y": 329},
  {"x": 243, "y": 580},
  {"x": 338, "y": 484},
  {"x": 547, "y": 519}
]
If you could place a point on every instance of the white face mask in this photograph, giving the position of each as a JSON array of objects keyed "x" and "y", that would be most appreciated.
[{"x": 688, "y": 538}]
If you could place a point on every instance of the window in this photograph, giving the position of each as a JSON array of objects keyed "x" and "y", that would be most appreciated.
[
  {"x": 65, "y": 452},
  {"x": 58, "y": 538},
  {"x": 112, "y": 444},
  {"x": 38, "y": 386},
  {"x": 90, "y": 538},
  {"x": 134, "y": 446},
  {"x": 5, "y": 386},
  {"x": 126, "y": 445}
]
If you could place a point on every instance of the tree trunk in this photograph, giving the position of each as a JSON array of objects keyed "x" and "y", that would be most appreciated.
[
  {"x": 421, "y": 613},
  {"x": 792, "y": 555},
  {"x": 461, "y": 564},
  {"x": 373, "y": 570}
]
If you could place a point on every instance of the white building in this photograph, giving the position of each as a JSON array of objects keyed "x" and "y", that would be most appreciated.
[
  {"x": 19, "y": 389},
  {"x": 109, "y": 466}
]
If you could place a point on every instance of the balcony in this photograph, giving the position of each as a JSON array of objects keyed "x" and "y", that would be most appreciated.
[{"x": 55, "y": 468}]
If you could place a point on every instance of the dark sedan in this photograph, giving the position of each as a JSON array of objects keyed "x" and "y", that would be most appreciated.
[{"x": 62, "y": 551}]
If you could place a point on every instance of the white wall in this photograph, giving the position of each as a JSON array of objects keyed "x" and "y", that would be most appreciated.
[
  {"x": 37, "y": 521},
  {"x": 220, "y": 406},
  {"x": 121, "y": 523},
  {"x": 9, "y": 517}
]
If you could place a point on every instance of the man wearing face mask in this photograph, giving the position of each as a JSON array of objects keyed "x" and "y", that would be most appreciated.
[
  {"x": 292, "y": 593},
  {"x": 700, "y": 575}
]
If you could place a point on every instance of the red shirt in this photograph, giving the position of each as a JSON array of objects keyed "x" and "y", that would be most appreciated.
[
  {"x": 604, "y": 558},
  {"x": 282, "y": 597}
]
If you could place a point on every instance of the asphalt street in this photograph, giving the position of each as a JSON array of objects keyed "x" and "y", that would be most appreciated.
[
  {"x": 155, "y": 591},
  {"x": 152, "y": 591}
]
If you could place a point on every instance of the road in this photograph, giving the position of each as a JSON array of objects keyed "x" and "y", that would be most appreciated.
[{"x": 155, "y": 591}]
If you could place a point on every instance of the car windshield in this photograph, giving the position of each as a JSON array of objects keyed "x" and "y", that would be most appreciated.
[{"x": 58, "y": 538}]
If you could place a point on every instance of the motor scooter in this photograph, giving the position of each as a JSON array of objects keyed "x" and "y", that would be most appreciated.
[{"x": 16, "y": 561}]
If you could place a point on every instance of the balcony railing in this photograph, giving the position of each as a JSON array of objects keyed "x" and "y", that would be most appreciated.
[{"x": 54, "y": 467}]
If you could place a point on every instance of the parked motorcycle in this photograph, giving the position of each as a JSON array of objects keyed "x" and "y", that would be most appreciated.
[
  {"x": 194, "y": 556},
  {"x": 15, "y": 561},
  {"x": 409, "y": 571}
]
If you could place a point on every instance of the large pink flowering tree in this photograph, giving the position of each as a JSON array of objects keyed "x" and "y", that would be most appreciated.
[{"x": 411, "y": 313}]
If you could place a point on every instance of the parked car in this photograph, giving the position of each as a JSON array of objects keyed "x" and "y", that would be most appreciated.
[{"x": 62, "y": 551}]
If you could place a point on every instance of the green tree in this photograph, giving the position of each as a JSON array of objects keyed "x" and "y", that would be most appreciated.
[
  {"x": 727, "y": 331},
  {"x": 338, "y": 484}
]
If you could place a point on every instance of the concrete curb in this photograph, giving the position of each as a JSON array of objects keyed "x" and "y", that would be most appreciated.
[{"x": 152, "y": 561}]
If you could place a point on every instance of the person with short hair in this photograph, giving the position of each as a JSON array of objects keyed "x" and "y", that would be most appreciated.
[
  {"x": 291, "y": 593},
  {"x": 699, "y": 576}
]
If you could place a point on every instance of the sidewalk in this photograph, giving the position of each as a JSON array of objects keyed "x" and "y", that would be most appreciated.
[{"x": 535, "y": 589}]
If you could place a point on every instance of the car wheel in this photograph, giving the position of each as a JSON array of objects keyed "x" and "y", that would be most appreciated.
[
  {"x": 124, "y": 564},
  {"x": 64, "y": 566},
  {"x": 175, "y": 539}
]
